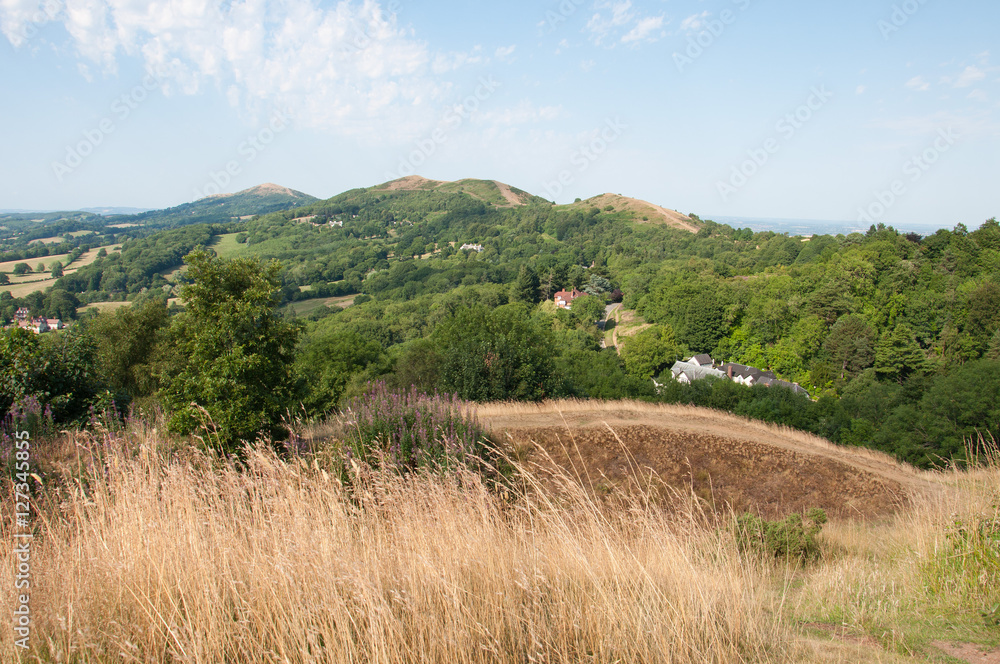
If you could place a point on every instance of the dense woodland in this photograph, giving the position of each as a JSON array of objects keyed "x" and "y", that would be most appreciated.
[{"x": 896, "y": 337}]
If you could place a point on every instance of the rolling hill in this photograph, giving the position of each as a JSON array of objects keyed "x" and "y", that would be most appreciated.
[
  {"x": 727, "y": 461},
  {"x": 220, "y": 208}
]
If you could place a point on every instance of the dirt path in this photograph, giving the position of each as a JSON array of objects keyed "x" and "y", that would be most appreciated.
[
  {"x": 511, "y": 197},
  {"x": 675, "y": 217}
]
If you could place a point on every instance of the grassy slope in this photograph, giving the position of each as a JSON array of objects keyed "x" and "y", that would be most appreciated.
[{"x": 171, "y": 557}]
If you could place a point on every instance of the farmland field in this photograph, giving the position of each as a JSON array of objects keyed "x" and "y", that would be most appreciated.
[{"x": 22, "y": 285}]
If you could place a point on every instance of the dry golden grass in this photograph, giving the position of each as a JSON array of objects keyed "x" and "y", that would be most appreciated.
[
  {"x": 187, "y": 560},
  {"x": 151, "y": 553}
]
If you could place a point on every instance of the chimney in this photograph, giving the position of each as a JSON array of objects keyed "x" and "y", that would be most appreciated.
[{"x": 729, "y": 372}]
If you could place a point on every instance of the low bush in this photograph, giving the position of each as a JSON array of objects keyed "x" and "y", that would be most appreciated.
[
  {"x": 412, "y": 430},
  {"x": 792, "y": 537}
]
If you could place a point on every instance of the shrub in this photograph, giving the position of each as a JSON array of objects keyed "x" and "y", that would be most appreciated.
[
  {"x": 973, "y": 563},
  {"x": 792, "y": 537},
  {"x": 412, "y": 430}
]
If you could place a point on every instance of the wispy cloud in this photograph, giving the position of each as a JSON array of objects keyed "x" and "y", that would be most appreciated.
[
  {"x": 919, "y": 84},
  {"x": 504, "y": 53},
  {"x": 348, "y": 68},
  {"x": 970, "y": 76},
  {"x": 615, "y": 22},
  {"x": 647, "y": 29},
  {"x": 695, "y": 22}
]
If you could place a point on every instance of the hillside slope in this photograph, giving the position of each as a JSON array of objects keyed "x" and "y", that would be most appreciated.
[
  {"x": 644, "y": 212},
  {"x": 220, "y": 208},
  {"x": 724, "y": 459},
  {"x": 488, "y": 191}
]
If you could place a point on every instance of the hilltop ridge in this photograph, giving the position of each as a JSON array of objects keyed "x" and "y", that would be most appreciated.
[{"x": 488, "y": 191}]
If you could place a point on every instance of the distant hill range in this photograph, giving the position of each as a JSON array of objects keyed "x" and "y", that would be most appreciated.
[
  {"x": 220, "y": 208},
  {"x": 499, "y": 195},
  {"x": 109, "y": 211},
  {"x": 404, "y": 195}
]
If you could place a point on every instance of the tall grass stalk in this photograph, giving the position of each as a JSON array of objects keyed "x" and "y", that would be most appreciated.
[{"x": 155, "y": 557}]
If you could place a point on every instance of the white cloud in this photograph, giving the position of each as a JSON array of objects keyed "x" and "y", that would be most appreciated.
[
  {"x": 969, "y": 76},
  {"x": 616, "y": 21},
  {"x": 860, "y": 90},
  {"x": 504, "y": 52},
  {"x": 978, "y": 95},
  {"x": 643, "y": 29},
  {"x": 919, "y": 84},
  {"x": 695, "y": 22},
  {"x": 346, "y": 68},
  {"x": 447, "y": 62},
  {"x": 601, "y": 25},
  {"x": 524, "y": 113}
]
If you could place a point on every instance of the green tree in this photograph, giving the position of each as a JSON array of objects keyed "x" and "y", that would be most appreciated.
[
  {"x": 494, "y": 355},
  {"x": 57, "y": 370},
  {"x": 4, "y": 279},
  {"x": 704, "y": 323},
  {"x": 126, "y": 344},
  {"x": 21, "y": 268},
  {"x": 898, "y": 355},
  {"x": 525, "y": 288},
  {"x": 958, "y": 407},
  {"x": 57, "y": 270},
  {"x": 650, "y": 352},
  {"x": 327, "y": 364},
  {"x": 851, "y": 344},
  {"x": 993, "y": 352},
  {"x": 588, "y": 309},
  {"x": 61, "y": 304},
  {"x": 231, "y": 354}
]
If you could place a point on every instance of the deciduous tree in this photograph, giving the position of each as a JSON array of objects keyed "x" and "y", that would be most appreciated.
[{"x": 231, "y": 353}]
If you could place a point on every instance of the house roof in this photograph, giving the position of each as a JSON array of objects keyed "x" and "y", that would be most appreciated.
[
  {"x": 743, "y": 371},
  {"x": 702, "y": 359},
  {"x": 794, "y": 387},
  {"x": 568, "y": 295},
  {"x": 694, "y": 371}
]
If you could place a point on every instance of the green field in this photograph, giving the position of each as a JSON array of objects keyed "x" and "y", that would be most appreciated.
[
  {"x": 22, "y": 285},
  {"x": 226, "y": 246},
  {"x": 306, "y": 307}
]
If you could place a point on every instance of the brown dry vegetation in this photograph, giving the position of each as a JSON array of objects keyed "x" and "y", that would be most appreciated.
[
  {"x": 644, "y": 211},
  {"x": 147, "y": 551},
  {"x": 729, "y": 461}
]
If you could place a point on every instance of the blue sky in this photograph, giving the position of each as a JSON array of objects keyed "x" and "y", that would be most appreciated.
[{"x": 856, "y": 110}]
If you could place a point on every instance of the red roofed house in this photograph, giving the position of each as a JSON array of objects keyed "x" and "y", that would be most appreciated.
[{"x": 565, "y": 298}]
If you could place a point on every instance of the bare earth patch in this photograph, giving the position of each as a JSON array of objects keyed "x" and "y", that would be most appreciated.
[
  {"x": 654, "y": 213},
  {"x": 723, "y": 459},
  {"x": 968, "y": 652}
]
